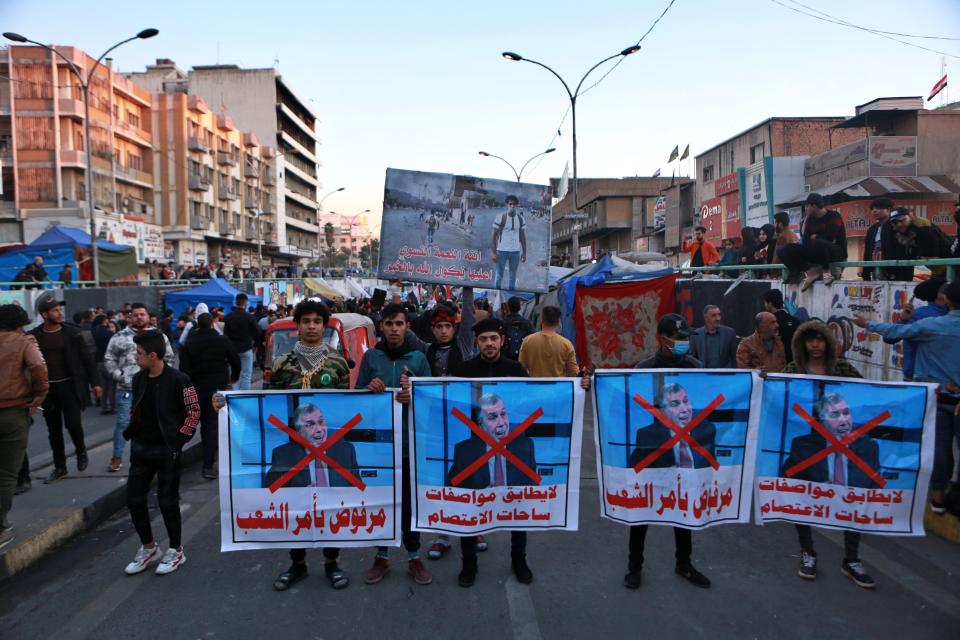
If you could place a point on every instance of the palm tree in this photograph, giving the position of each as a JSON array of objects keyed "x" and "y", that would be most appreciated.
[{"x": 328, "y": 233}]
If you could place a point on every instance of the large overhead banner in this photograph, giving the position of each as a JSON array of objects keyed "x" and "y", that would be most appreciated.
[
  {"x": 309, "y": 469},
  {"x": 845, "y": 453},
  {"x": 676, "y": 446},
  {"x": 495, "y": 454},
  {"x": 460, "y": 230}
]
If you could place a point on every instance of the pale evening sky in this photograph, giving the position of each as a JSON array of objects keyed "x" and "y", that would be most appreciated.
[{"x": 421, "y": 85}]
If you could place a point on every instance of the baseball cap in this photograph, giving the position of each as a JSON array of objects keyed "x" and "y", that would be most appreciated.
[
  {"x": 48, "y": 303},
  {"x": 815, "y": 199},
  {"x": 899, "y": 212},
  {"x": 673, "y": 325}
]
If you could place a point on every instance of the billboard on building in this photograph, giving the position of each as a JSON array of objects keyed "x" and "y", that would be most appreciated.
[
  {"x": 757, "y": 204},
  {"x": 460, "y": 230},
  {"x": 892, "y": 156}
]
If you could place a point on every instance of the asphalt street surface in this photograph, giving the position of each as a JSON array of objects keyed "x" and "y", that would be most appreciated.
[{"x": 80, "y": 591}]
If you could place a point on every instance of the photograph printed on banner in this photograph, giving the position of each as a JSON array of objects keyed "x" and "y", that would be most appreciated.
[
  {"x": 675, "y": 446},
  {"x": 845, "y": 453},
  {"x": 309, "y": 469},
  {"x": 491, "y": 454},
  {"x": 461, "y": 230}
]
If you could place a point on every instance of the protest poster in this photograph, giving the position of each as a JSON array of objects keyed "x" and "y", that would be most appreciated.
[
  {"x": 845, "y": 453},
  {"x": 309, "y": 468},
  {"x": 495, "y": 454},
  {"x": 676, "y": 446},
  {"x": 460, "y": 230}
]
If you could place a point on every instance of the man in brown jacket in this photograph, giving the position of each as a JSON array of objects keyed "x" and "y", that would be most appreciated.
[
  {"x": 24, "y": 376},
  {"x": 763, "y": 349}
]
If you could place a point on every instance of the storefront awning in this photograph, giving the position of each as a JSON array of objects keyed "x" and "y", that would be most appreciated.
[{"x": 876, "y": 187}]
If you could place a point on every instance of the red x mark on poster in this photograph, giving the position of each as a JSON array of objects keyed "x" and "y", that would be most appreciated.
[
  {"x": 496, "y": 447},
  {"x": 679, "y": 433},
  {"x": 316, "y": 453},
  {"x": 838, "y": 446}
]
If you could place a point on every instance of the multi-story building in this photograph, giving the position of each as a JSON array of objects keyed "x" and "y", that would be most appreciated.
[
  {"x": 42, "y": 148},
  {"x": 621, "y": 217},
  {"x": 350, "y": 234},
  {"x": 897, "y": 149},
  {"x": 264, "y": 102},
  {"x": 214, "y": 184},
  {"x": 739, "y": 179}
]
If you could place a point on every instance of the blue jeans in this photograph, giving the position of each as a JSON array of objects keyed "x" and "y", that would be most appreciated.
[
  {"x": 503, "y": 257},
  {"x": 246, "y": 371},
  {"x": 124, "y": 405}
]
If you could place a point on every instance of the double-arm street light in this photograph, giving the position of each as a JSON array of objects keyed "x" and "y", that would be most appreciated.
[
  {"x": 573, "y": 95},
  {"x": 87, "y": 143},
  {"x": 519, "y": 174}
]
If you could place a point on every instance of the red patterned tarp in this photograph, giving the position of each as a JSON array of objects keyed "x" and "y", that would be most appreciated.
[{"x": 617, "y": 323}]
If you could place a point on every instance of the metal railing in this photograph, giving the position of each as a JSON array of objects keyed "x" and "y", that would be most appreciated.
[{"x": 951, "y": 264}]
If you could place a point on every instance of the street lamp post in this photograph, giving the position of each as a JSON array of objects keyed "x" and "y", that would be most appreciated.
[
  {"x": 573, "y": 95},
  {"x": 524, "y": 167},
  {"x": 88, "y": 146},
  {"x": 319, "y": 209}
]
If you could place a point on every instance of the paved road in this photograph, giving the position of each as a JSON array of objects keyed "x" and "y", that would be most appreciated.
[{"x": 80, "y": 591}]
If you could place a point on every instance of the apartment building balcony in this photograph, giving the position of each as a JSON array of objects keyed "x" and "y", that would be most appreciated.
[
  {"x": 199, "y": 223},
  {"x": 197, "y": 104},
  {"x": 226, "y": 158},
  {"x": 269, "y": 179},
  {"x": 228, "y": 230},
  {"x": 72, "y": 107},
  {"x": 194, "y": 143},
  {"x": 225, "y": 122},
  {"x": 198, "y": 183},
  {"x": 134, "y": 176},
  {"x": 73, "y": 158},
  {"x": 225, "y": 193},
  {"x": 303, "y": 225},
  {"x": 250, "y": 171}
]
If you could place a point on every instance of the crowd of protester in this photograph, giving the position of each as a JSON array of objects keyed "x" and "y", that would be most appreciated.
[{"x": 160, "y": 376}]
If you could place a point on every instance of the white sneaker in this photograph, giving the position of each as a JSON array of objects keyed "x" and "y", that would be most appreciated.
[
  {"x": 172, "y": 559},
  {"x": 142, "y": 560}
]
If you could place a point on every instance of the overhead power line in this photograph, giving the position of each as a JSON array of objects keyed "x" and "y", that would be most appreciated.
[{"x": 843, "y": 23}]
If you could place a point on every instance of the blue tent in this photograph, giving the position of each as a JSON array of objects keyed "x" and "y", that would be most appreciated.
[
  {"x": 56, "y": 246},
  {"x": 214, "y": 293}
]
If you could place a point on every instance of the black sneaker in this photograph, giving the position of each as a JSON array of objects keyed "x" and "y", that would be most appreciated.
[
  {"x": 82, "y": 461},
  {"x": 692, "y": 575},
  {"x": 521, "y": 570},
  {"x": 632, "y": 580},
  {"x": 808, "y": 566},
  {"x": 468, "y": 573},
  {"x": 55, "y": 475},
  {"x": 854, "y": 570},
  {"x": 23, "y": 487}
]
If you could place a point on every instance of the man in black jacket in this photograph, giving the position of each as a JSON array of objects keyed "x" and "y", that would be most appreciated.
[
  {"x": 489, "y": 363},
  {"x": 240, "y": 327},
  {"x": 164, "y": 417},
  {"x": 881, "y": 244},
  {"x": 205, "y": 358},
  {"x": 68, "y": 359},
  {"x": 672, "y": 335}
]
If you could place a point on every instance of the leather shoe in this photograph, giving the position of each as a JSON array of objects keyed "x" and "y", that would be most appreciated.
[
  {"x": 692, "y": 575},
  {"x": 521, "y": 570},
  {"x": 468, "y": 573},
  {"x": 632, "y": 580},
  {"x": 82, "y": 461},
  {"x": 23, "y": 487},
  {"x": 55, "y": 475},
  {"x": 380, "y": 568}
]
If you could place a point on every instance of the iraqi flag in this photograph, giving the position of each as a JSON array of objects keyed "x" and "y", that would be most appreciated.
[{"x": 937, "y": 88}]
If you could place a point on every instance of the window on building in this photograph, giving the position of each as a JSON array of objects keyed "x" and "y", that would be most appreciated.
[
  {"x": 133, "y": 119},
  {"x": 757, "y": 152},
  {"x": 134, "y": 161},
  {"x": 708, "y": 173}
]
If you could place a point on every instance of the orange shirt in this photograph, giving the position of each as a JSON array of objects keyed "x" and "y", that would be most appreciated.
[{"x": 709, "y": 253}]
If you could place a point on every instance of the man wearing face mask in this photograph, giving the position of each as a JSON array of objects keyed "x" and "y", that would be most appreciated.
[
  {"x": 509, "y": 242},
  {"x": 673, "y": 335}
]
